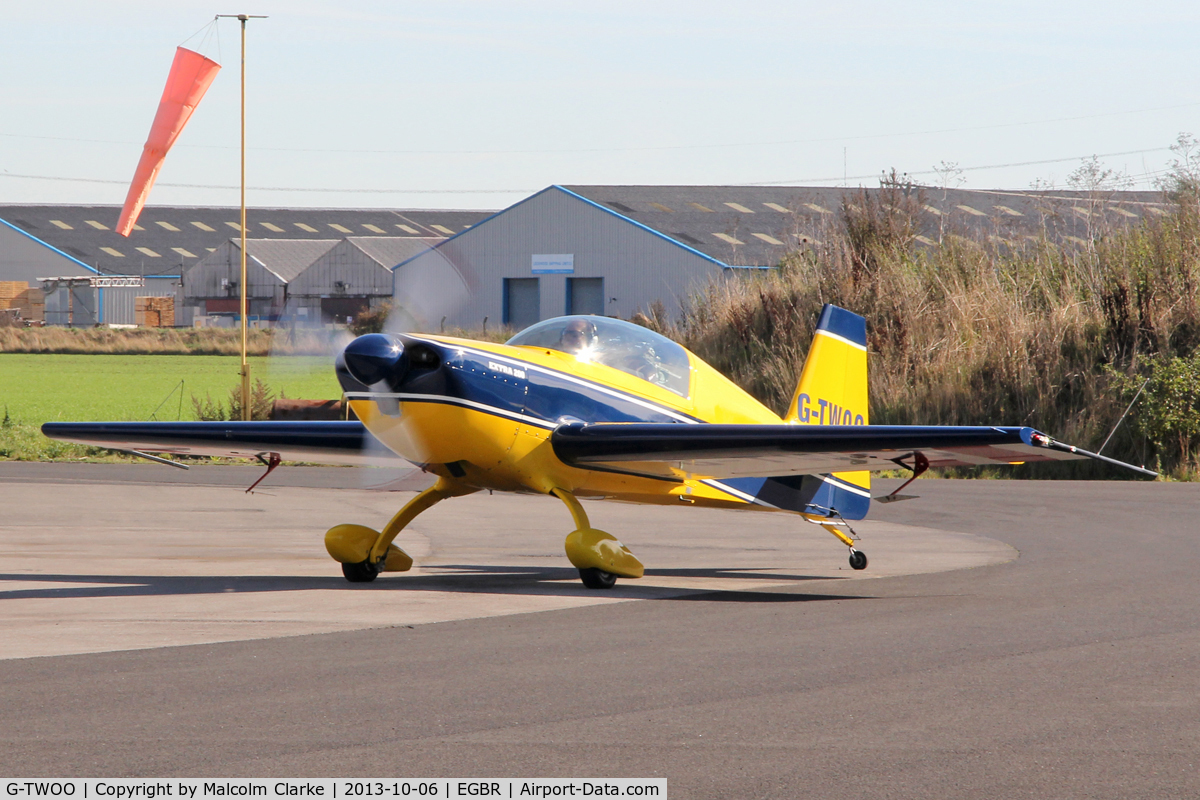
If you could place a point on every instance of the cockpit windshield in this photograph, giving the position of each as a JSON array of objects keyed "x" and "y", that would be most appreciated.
[{"x": 615, "y": 343}]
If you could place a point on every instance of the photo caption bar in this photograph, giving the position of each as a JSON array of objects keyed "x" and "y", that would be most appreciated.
[{"x": 330, "y": 788}]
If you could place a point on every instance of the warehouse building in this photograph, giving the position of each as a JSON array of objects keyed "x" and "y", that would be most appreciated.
[
  {"x": 212, "y": 288},
  {"x": 351, "y": 277},
  {"x": 611, "y": 250},
  {"x": 76, "y": 242},
  {"x": 616, "y": 250}
]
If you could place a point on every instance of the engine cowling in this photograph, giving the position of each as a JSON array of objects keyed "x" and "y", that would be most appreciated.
[{"x": 371, "y": 359}]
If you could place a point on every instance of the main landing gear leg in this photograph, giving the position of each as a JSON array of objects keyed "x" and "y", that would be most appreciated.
[
  {"x": 598, "y": 556},
  {"x": 364, "y": 552}
]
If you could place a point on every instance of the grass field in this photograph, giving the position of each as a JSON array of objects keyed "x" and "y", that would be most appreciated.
[{"x": 43, "y": 388}]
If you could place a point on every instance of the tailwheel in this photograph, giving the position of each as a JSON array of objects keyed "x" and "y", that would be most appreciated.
[
  {"x": 858, "y": 559},
  {"x": 597, "y": 578},
  {"x": 362, "y": 572}
]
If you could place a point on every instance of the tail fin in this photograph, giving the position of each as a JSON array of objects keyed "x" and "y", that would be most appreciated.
[
  {"x": 833, "y": 391},
  {"x": 833, "y": 384}
]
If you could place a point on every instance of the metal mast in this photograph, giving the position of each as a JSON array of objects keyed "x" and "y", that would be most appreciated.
[{"x": 244, "y": 309}]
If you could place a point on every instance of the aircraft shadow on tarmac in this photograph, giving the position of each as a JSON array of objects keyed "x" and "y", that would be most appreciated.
[{"x": 466, "y": 579}]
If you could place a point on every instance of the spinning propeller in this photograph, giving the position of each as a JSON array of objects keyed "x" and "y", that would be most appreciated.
[{"x": 426, "y": 292}]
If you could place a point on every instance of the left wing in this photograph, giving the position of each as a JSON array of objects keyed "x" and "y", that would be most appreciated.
[
  {"x": 325, "y": 442},
  {"x": 680, "y": 451}
]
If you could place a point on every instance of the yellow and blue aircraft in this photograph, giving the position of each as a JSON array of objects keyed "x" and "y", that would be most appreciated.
[{"x": 585, "y": 407}]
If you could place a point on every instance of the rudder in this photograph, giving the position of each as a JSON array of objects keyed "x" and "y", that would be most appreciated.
[
  {"x": 833, "y": 391},
  {"x": 833, "y": 384}
]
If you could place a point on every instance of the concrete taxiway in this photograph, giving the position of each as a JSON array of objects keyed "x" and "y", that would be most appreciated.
[
  {"x": 163, "y": 623},
  {"x": 90, "y": 565}
]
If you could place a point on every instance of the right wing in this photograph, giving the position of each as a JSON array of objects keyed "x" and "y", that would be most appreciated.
[{"x": 678, "y": 451}]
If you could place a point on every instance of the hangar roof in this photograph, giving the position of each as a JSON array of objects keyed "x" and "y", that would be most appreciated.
[
  {"x": 168, "y": 239},
  {"x": 757, "y": 225},
  {"x": 391, "y": 250},
  {"x": 286, "y": 258}
]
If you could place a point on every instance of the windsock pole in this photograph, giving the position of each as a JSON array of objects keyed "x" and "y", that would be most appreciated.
[{"x": 244, "y": 309}]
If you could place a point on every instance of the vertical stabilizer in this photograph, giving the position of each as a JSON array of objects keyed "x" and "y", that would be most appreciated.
[
  {"x": 833, "y": 384},
  {"x": 833, "y": 391}
]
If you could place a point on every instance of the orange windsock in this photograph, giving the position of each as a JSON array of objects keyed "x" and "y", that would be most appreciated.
[{"x": 190, "y": 76}]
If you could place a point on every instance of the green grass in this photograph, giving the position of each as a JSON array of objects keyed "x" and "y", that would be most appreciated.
[{"x": 43, "y": 388}]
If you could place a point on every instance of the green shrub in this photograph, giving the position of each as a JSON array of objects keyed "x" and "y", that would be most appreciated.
[
  {"x": 1167, "y": 411},
  {"x": 261, "y": 400}
]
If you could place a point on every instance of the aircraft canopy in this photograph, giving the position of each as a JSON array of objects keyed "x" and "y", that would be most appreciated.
[{"x": 615, "y": 343}]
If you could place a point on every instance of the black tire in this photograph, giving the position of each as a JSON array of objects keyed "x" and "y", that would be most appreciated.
[
  {"x": 362, "y": 572},
  {"x": 858, "y": 559},
  {"x": 597, "y": 578}
]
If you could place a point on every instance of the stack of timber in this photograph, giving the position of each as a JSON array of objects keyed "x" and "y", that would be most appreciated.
[
  {"x": 154, "y": 312},
  {"x": 28, "y": 303}
]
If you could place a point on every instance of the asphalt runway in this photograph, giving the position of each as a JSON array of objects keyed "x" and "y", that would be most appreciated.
[{"x": 145, "y": 632}]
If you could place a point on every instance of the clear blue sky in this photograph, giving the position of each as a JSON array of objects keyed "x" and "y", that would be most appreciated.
[{"x": 476, "y": 104}]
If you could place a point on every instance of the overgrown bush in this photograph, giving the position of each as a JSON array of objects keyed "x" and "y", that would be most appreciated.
[
  {"x": 1167, "y": 406},
  {"x": 261, "y": 400},
  {"x": 971, "y": 331},
  {"x": 371, "y": 321}
]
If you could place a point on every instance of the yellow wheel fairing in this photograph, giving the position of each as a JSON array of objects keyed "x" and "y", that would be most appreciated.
[
  {"x": 350, "y": 544},
  {"x": 589, "y": 548}
]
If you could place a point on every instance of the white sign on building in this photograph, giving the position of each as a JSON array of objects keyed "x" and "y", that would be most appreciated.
[{"x": 559, "y": 264}]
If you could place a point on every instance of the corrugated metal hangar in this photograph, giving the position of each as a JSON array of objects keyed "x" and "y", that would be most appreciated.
[
  {"x": 351, "y": 277},
  {"x": 302, "y": 281},
  {"x": 40, "y": 241},
  {"x": 615, "y": 250},
  {"x": 212, "y": 287},
  {"x": 611, "y": 250}
]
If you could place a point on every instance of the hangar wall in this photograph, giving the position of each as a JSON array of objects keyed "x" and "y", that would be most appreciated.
[
  {"x": 212, "y": 284},
  {"x": 118, "y": 304},
  {"x": 636, "y": 265},
  {"x": 24, "y": 258},
  {"x": 356, "y": 274}
]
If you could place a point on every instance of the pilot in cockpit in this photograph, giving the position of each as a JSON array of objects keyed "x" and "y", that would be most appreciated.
[{"x": 577, "y": 335}]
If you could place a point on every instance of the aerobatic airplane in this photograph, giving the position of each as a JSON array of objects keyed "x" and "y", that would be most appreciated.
[{"x": 594, "y": 407}]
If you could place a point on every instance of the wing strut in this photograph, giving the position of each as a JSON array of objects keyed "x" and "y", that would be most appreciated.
[
  {"x": 270, "y": 463},
  {"x": 918, "y": 467},
  {"x": 155, "y": 459}
]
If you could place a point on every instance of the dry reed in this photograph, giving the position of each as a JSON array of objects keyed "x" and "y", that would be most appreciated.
[
  {"x": 967, "y": 332},
  {"x": 165, "y": 341}
]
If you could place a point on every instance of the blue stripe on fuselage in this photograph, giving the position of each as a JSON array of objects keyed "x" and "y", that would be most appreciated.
[
  {"x": 512, "y": 386},
  {"x": 811, "y": 494}
]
